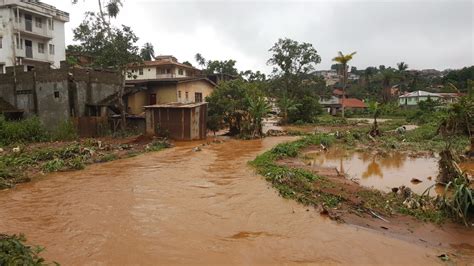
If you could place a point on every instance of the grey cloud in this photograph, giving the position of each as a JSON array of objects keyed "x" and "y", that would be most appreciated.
[{"x": 425, "y": 34}]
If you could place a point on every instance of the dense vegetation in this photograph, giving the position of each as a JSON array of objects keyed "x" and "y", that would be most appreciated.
[
  {"x": 239, "y": 106},
  {"x": 31, "y": 130},
  {"x": 15, "y": 251}
]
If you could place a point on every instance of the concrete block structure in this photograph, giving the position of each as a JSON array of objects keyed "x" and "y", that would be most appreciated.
[{"x": 55, "y": 95}]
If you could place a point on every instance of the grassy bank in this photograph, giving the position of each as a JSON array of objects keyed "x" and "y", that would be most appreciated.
[
  {"x": 307, "y": 188},
  {"x": 30, "y": 161}
]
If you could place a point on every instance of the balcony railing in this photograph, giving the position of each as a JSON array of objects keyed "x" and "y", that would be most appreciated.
[{"x": 28, "y": 28}]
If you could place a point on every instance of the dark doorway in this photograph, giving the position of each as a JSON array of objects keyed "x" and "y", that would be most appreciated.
[
  {"x": 152, "y": 98},
  {"x": 28, "y": 23},
  {"x": 30, "y": 68},
  {"x": 28, "y": 49}
]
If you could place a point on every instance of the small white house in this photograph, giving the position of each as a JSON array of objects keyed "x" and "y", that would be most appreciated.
[{"x": 413, "y": 98}]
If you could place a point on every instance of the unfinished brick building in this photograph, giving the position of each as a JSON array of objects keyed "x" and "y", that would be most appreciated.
[{"x": 55, "y": 95}]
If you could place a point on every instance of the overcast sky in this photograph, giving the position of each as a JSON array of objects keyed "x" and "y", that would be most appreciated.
[{"x": 424, "y": 34}]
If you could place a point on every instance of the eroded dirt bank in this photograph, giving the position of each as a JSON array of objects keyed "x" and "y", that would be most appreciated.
[{"x": 178, "y": 206}]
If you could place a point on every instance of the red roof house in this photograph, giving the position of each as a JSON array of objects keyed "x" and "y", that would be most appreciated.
[{"x": 352, "y": 103}]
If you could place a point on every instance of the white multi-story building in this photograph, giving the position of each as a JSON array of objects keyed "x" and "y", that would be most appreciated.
[{"x": 31, "y": 34}]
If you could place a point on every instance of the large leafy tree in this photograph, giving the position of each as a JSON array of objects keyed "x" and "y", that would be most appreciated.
[
  {"x": 292, "y": 64},
  {"x": 218, "y": 67},
  {"x": 111, "y": 47},
  {"x": 251, "y": 76},
  {"x": 238, "y": 105},
  {"x": 343, "y": 59},
  {"x": 460, "y": 78}
]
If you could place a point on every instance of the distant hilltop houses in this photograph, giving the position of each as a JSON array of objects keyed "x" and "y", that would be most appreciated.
[
  {"x": 332, "y": 77},
  {"x": 400, "y": 91}
]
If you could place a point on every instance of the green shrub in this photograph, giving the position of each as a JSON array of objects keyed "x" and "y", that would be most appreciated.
[
  {"x": 158, "y": 145},
  {"x": 424, "y": 132},
  {"x": 53, "y": 165},
  {"x": 65, "y": 131},
  {"x": 461, "y": 203},
  {"x": 77, "y": 163},
  {"x": 306, "y": 110},
  {"x": 329, "y": 120},
  {"x": 14, "y": 251},
  {"x": 23, "y": 131},
  {"x": 108, "y": 157}
]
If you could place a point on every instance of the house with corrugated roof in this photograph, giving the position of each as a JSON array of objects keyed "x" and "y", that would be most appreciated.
[
  {"x": 165, "y": 80},
  {"x": 335, "y": 102},
  {"x": 411, "y": 99}
]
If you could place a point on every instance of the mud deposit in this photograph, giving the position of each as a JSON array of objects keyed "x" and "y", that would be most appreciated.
[{"x": 178, "y": 206}]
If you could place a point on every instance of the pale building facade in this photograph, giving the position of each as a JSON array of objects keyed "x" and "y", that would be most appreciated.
[
  {"x": 164, "y": 81},
  {"x": 184, "y": 91},
  {"x": 31, "y": 34},
  {"x": 164, "y": 67}
]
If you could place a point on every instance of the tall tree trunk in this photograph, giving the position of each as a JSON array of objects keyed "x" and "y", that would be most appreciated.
[
  {"x": 344, "y": 82},
  {"x": 123, "y": 124}
]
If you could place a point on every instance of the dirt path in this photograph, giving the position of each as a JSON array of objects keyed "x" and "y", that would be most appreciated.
[{"x": 183, "y": 207}]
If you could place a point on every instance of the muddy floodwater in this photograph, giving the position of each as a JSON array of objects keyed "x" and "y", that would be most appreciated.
[
  {"x": 183, "y": 207},
  {"x": 385, "y": 171},
  {"x": 382, "y": 172}
]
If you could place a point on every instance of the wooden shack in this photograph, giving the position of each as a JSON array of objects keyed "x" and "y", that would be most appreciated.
[{"x": 179, "y": 121}]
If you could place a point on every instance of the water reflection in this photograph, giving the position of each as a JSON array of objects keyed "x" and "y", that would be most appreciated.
[
  {"x": 381, "y": 171},
  {"x": 373, "y": 169}
]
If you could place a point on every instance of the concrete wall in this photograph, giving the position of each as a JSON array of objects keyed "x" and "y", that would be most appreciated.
[
  {"x": 165, "y": 93},
  {"x": 192, "y": 87},
  {"x": 136, "y": 102},
  {"x": 54, "y": 95}
]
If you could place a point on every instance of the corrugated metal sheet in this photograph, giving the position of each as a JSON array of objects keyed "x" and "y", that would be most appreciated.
[{"x": 180, "y": 123}]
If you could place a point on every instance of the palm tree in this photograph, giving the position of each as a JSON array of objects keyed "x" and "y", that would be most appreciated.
[
  {"x": 387, "y": 76},
  {"x": 258, "y": 110},
  {"x": 343, "y": 60},
  {"x": 286, "y": 105},
  {"x": 147, "y": 52},
  {"x": 402, "y": 66},
  {"x": 200, "y": 60}
]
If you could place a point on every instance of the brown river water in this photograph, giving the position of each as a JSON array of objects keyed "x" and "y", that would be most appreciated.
[{"x": 183, "y": 207}]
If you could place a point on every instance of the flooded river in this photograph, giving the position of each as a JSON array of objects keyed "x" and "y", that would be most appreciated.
[{"x": 183, "y": 207}]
